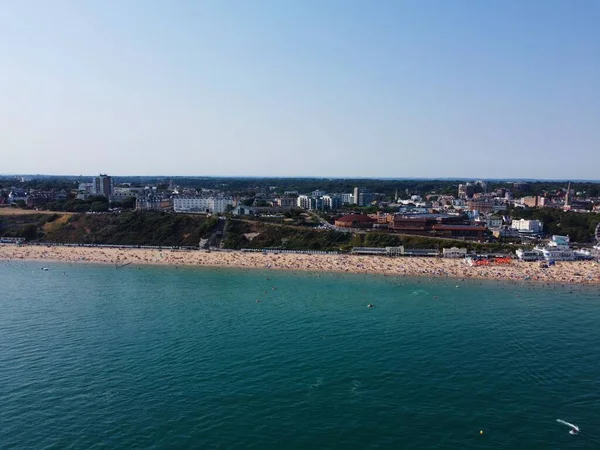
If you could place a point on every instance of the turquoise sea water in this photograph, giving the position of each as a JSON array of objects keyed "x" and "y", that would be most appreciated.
[{"x": 155, "y": 357}]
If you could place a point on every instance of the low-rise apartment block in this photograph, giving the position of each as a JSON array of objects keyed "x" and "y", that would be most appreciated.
[{"x": 197, "y": 204}]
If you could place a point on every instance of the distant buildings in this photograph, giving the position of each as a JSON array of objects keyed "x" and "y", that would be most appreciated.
[
  {"x": 199, "y": 204},
  {"x": 354, "y": 221},
  {"x": 558, "y": 249},
  {"x": 421, "y": 224},
  {"x": 440, "y": 225},
  {"x": 14, "y": 196},
  {"x": 42, "y": 198},
  {"x": 152, "y": 201},
  {"x": 286, "y": 202},
  {"x": 103, "y": 185},
  {"x": 322, "y": 202},
  {"x": 362, "y": 197},
  {"x": 242, "y": 210},
  {"x": 303, "y": 201},
  {"x": 485, "y": 205},
  {"x": 347, "y": 199},
  {"x": 534, "y": 201},
  {"x": 527, "y": 226},
  {"x": 331, "y": 202},
  {"x": 466, "y": 190}
]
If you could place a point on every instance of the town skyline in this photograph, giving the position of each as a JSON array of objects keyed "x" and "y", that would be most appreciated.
[{"x": 492, "y": 212}]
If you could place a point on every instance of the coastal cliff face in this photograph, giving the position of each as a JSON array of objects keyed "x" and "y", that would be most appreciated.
[
  {"x": 168, "y": 229},
  {"x": 131, "y": 228}
]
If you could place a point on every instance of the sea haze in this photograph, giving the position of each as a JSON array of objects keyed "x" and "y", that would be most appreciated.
[{"x": 172, "y": 357}]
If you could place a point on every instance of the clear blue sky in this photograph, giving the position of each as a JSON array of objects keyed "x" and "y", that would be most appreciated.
[{"x": 381, "y": 88}]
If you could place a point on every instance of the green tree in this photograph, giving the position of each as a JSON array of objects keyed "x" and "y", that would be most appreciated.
[
  {"x": 29, "y": 232},
  {"x": 99, "y": 207}
]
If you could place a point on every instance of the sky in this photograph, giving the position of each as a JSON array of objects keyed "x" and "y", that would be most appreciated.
[{"x": 331, "y": 88}]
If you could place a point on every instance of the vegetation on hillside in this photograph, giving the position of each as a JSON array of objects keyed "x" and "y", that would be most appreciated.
[
  {"x": 246, "y": 234},
  {"x": 168, "y": 229},
  {"x": 129, "y": 228}
]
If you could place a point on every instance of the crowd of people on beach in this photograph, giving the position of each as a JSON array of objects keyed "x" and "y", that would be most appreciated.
[{"x": 563, "y": 272}]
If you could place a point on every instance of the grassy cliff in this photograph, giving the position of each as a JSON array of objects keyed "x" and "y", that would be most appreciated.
[{"x": 131, "y": 228}]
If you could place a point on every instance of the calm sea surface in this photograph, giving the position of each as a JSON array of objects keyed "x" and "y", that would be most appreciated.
[{"x": 155, "y": 357}]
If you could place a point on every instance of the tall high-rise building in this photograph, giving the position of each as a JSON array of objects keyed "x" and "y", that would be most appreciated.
[
  {"x": 466, "y": 190},
  {"x": 356, "y": 196},
  {"x": 103, "y": 185},
  {"x": 568, "y": 196},
  {"x": 568, "y": 199}
]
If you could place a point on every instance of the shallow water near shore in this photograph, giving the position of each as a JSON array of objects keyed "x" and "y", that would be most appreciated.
[{"x": 94, "y": 357}]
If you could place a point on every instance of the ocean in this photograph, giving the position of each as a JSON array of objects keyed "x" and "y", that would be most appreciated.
[{"x": 165, "y": 357}]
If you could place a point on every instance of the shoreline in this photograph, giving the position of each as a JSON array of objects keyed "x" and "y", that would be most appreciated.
[{"x": 569, "y": 272}]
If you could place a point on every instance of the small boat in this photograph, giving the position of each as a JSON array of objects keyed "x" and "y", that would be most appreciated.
[
  {"x": 574, "y": 428},
  {"x": 370, "y": 305}
]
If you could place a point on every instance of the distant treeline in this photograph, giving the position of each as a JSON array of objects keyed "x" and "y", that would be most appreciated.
[{"x": 249, "y": 186}]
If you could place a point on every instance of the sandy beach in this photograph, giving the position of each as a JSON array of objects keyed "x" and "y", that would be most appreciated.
[{"x": 563, "y": 272}]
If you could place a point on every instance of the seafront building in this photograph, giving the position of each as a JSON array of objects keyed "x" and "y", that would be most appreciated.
[
  {"x": 394, "y": 251},
  {"x": 378, "y": 251},
  {"x": 454, "y": 252},
  {"x": 558, "y": 249}
]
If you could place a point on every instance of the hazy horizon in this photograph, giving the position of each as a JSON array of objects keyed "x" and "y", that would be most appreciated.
[
  {"x": 334, "y": 89},
  {"x": 308, "y": 177}
]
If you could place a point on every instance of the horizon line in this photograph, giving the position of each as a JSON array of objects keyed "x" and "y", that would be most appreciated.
[{"x": 308, "y": 177}]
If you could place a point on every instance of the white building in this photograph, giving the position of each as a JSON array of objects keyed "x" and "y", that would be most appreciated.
[
  {"x": 383, "y": 251},
  {"x": 558, "y": 249},
  {"x": 528, "y": 226},
  {"x": 128, "y": 191},
  {"x": 528, "y": 255},
  {"x": 331, "y": 202},
  {"x": 454, "y": 252},
  {"x": 303, "y": 201},
  {"x": 201, "y": 204},
  {"x": 347, "y": 199}
]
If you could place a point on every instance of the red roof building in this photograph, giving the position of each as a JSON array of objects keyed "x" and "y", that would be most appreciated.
[{"x": 354, "y": 221}]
